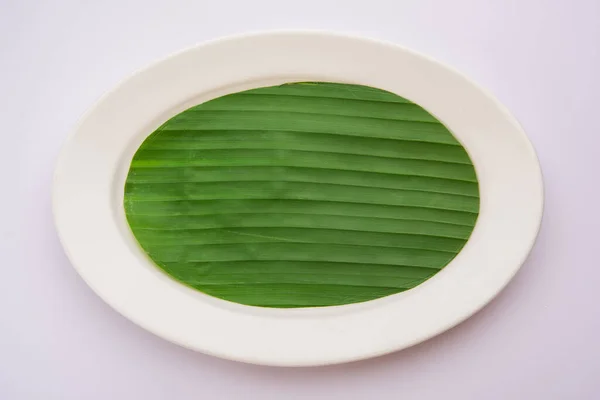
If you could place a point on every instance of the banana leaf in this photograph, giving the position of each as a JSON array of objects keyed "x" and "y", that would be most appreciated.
[{"x": 302, "y": 195}]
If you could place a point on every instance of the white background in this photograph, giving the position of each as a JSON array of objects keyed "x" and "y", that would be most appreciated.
[{"x": 538, "y": 340}]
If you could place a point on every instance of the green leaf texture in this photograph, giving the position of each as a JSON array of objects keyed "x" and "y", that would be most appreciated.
[{"x": 302, "y": 195}]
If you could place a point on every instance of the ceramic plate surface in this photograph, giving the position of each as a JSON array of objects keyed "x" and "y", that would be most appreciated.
[{"x": 91, "y": 172}]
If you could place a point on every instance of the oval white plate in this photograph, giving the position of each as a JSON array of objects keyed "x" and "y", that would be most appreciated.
[{"x": 90, "y": 176}]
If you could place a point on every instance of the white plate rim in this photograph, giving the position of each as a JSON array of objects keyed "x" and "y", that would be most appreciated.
[{"x": 87, "y": 198}]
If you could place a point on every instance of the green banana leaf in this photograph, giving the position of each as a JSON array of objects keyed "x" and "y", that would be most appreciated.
[{"x": 302, "y": 195}]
